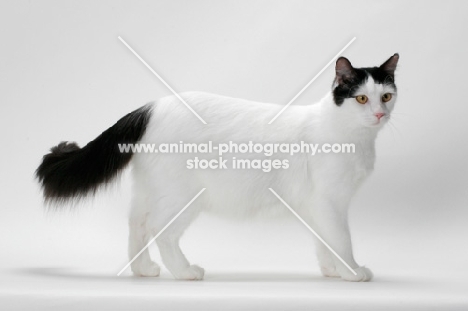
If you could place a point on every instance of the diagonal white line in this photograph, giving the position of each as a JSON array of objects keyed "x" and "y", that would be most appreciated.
[
  {"x": 313, "y": 231},
  {"x": 313, "y": 79},
  {"x": 162, "y": 230},
  {"x": 161, "y": 79}
]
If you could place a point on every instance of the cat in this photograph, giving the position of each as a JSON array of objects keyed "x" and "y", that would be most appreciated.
[{"x": 319, "y": 187}]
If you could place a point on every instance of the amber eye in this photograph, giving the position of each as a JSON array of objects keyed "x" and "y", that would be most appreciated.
[
  {"x": 386, "y": 97},
  {"x": 362, "y": 99}
]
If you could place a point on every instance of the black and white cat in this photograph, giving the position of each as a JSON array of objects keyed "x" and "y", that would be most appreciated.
[{"x": 318, "y": 187}]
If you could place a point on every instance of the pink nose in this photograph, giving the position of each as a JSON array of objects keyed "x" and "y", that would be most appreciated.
[{"x": 379, "y": 115}]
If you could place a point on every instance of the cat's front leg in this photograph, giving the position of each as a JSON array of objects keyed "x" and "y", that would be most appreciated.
[{"x": 329, "y": 220}]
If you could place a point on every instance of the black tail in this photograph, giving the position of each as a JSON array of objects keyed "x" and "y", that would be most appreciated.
[{"x": 70, "y": 172}]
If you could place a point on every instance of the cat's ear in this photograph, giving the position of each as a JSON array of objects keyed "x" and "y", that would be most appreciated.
[
  {"x": 344, "y": 70},
  {"x": 390, "y": 65}
]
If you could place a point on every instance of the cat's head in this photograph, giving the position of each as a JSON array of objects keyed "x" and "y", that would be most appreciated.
[{"x": 368, "y": 94}]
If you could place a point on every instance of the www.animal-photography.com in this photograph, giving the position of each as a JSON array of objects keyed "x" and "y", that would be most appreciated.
[{"x": 233, "y": 155}]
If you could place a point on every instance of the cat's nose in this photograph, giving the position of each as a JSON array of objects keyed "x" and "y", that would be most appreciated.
[{"x": 379, "y": 115}]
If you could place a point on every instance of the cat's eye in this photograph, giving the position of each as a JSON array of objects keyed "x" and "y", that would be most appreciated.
[
  {"x": 386, "y": 97},
  {"x": 362, "y": 99}
]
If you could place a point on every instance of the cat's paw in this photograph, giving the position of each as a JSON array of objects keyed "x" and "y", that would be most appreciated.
[
  {"x": 192, "y": 273},
  {"x": 150, "y": 269},
  {"x": 363, "y": 274},
  {"x": 330, "y": 272}
]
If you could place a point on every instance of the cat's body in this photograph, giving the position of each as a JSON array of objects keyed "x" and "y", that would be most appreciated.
[{"x": 319, "y": 187}]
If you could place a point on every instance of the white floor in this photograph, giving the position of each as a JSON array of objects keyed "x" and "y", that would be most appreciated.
[
  {"x": 62, "y": 289},
  {"x": 255, "y": 266}
]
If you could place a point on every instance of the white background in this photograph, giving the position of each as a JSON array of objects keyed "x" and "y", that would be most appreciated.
[{"x": 64, "y": 75}]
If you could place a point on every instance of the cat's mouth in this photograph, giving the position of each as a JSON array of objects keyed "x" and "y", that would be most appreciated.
[{"x": 378, "y": 123}]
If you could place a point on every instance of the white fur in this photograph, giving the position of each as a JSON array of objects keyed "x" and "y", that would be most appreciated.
[{"x": 318, "y": 187}]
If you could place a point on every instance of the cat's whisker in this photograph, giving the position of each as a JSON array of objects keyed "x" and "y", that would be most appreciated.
[
  {"x": 401, "y": 119},
  {"x": 393, "y": 127},
  {"x": 402, "y": 114},
  {"x": 405, "y": 121},
  {"x": 390, "y": 128}
]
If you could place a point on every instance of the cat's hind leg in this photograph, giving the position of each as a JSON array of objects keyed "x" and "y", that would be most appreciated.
[
  {"x": 139, "y": 236},
  {"x": 168, "y": 242},
  {"x": 325, "y": 259}
]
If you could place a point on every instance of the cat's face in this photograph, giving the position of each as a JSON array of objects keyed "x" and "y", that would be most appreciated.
[{"x": 367, "y": 94}]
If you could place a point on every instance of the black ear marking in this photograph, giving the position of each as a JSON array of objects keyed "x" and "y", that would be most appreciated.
[
  {"x": 344, "y": 70},
  {"x": 348, "y": 79},
  {"x": 390, "y": 65}
]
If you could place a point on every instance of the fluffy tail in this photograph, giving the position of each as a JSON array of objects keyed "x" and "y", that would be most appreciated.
[{"x": 70, "y": 172}]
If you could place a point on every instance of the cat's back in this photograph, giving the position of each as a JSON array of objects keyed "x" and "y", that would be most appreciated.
[
  {"x": 223, "y": 113},
  {"x": 212, "y": 107}
]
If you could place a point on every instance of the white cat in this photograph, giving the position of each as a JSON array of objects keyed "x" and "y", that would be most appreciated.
[{"x": 318, "y": 187}]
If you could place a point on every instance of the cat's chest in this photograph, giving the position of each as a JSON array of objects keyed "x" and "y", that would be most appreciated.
[
  {"x": 361, "y": 164},
  {"x": 350, "y": 168}
]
